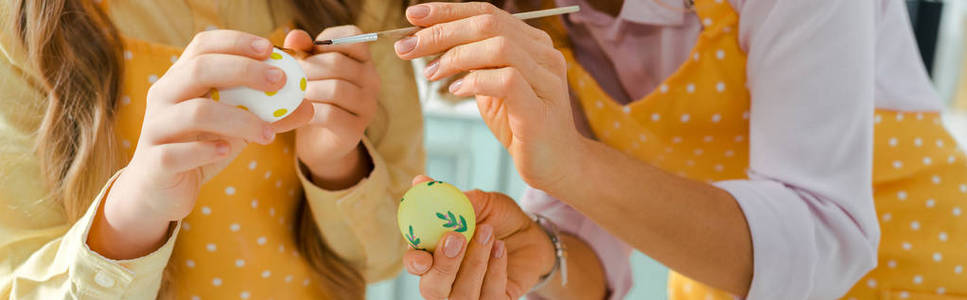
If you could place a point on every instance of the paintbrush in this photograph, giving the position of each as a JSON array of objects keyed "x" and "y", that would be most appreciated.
[{"x": 402, "y": 32}]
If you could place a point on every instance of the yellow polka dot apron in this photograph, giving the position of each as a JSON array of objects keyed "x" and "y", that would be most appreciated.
[
  {"x": 239, "y": 242},
  {"x": 920, "y": 181}
]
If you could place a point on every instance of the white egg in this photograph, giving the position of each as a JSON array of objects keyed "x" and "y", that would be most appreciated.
[{"x": 269, "y": 106}]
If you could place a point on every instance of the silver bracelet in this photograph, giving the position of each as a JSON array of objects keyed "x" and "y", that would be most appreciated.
[{"x": 560, "y": 252}]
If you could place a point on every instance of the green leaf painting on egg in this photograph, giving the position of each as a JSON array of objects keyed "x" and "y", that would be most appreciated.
[
  {"x": 452, "y": 221},
  {"x": 430, "y": 210},
  {"x": 413, "y": 240}
]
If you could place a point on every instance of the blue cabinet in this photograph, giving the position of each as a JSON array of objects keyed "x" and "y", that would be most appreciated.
[{"x": 462, "y": 151}]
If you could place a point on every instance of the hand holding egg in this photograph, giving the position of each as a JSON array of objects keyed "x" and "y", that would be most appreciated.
[
  {"x": 187, "y": 138},
  {"x": 506, "y": 256}
]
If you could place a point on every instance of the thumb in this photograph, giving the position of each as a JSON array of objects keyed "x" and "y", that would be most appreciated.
[
  {"x": 299, "y": 40},
  {"x": 421, "y": 179}
]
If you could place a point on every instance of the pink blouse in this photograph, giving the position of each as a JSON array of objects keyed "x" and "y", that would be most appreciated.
[{"x": 806, "y": 60}]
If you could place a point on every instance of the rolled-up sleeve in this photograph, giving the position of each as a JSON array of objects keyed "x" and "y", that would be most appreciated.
[
  {"x": 808, "y": 200},
  {"x": 48, "y": 263},
  {"x": 615, "y": 255},
  {"x": 359, "y": 223}
]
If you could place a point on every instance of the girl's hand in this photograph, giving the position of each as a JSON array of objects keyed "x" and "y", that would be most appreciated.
[
  {"x": 506, "y": 257},
  {"x": 187, "y": 138},
  {"x": 343, "y": 89},
  {"x": 517, "y": 76}
]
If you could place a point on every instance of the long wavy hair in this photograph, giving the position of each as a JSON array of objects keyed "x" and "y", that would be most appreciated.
[{"x": 77, "y": 51}]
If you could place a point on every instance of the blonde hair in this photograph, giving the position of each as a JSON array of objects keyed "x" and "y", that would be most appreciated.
[{"x": 77, "y": 51}]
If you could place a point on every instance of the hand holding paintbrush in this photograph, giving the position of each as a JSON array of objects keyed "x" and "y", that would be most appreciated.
[{"x": 518, "y": 79}]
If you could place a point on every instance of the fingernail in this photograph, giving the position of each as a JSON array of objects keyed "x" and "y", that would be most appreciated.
[
  {"x": 485, "y": 233},
  {"x": 405, "y": 45},
  {"x": 268, "y": 133},
  {"x": 451, "y": 248},
  {"x": 417, "y": 12},
  {"x": 455, "y": 86},
  {"x": 431, "y": 69},
  {"x": 498, "y": 249},
  {"x": 273, "y": 75},
  {"x": 260, "y": 46},
  {"x": 418, "y": 267},
  {"x": 221, "y": 148}
]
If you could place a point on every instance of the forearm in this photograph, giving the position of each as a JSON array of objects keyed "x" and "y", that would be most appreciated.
[
  {"x": 692, "y": 227},
  {"x": 586, "y": 278},
  {"x": 121, "y": 231},
  {"x": 343, "y": 173}
]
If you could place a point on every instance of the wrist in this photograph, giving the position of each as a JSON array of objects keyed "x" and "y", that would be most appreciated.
[
  {"x": 129, "y": 202},
  {"x": 123, "y": 229},
  {"x": 550, "y": 265},
  {"x": 554, "y": 262},
  {"x": 573, "y": 164},
  {"x": 335, "y": 166},
  {"x": 341, "y": 173},
  {"x": 584, "y": 261}
]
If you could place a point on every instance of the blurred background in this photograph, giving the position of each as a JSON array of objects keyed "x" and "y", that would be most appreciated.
[{"x": 462, "y": 151}]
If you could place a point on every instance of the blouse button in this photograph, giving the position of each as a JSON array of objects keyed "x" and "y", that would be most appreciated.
[{"x": 103, "y": 279}]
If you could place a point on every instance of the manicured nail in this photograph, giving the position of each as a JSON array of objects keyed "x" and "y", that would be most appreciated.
[
  {"x": 499, "y": 249},
  {"x": 405, "y": 45},
  {"x": 261, "y": 46},
  {"x": 451, "y": 248},
  {"x": 455, "y": 86},
  {"x": 431, "y": 69},
  {"x": 418, "y": 267},
  {"x": 273, "y": 75},
  {"x": 221, "y": 148},
  {"x": 417, "y": 12},
  {"x": 484, "y": 233},
  {"x": 268, "y": 133}
]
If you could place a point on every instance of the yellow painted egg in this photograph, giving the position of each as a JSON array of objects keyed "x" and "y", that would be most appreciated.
[
  {"x": 430, "y": 209},
  {"x": 274, "y": 105}
]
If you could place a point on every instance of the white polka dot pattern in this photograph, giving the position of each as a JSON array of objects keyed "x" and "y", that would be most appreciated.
[{"x": 910, "y": 146}]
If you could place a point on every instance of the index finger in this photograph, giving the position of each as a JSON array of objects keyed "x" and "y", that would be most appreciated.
[
  {"x": 437, "y": 282},
  {"x": 223, "y": 41},
  {"x": 357, "y": 51},
  {"x": 427, "y": 14},
  {"x": 495, "y": 280}
]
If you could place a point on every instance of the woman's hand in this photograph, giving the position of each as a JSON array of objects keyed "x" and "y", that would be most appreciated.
[
  {"x": 343, "y": 89},
  {"x": 506, "y": 257},
  {"x": 187, "y": 138},
  {"x": 517, "y": 76}
]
